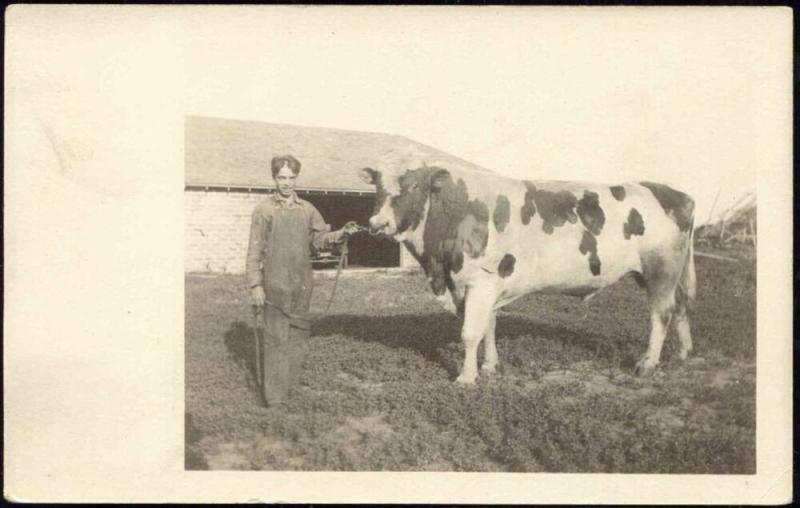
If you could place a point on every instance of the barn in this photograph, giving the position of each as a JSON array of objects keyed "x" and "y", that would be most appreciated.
[{"x": 227, "y": 173}]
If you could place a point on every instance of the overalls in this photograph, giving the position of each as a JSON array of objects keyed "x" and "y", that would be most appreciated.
[
  {"x": 288, "y": 282},
  {"x": 282, "y": 244}
]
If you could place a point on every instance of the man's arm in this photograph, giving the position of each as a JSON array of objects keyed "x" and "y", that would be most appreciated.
[
  {"x": 322, "y": 238},
  {"x": 255, "y": 249}
]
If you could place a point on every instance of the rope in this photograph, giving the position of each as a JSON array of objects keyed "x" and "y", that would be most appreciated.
[{"x": 343, "y": 252}]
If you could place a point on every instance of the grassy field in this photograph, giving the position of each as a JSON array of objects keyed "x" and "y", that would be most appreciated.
[{"x": 377, "y": 390}]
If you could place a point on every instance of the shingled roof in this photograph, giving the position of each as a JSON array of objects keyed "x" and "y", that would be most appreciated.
[{"x": 236, "y": 153}]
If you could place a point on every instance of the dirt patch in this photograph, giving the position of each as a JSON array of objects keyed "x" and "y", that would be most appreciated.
[
  {"x": 667, "y": 418},
  {"x": 229, "y": 456},
  {"x": 355, "y": 429},
  {"x": 725, "y": 377},
  {"x": 595, "y": 381},
  {"x": 368, "y": 386}
]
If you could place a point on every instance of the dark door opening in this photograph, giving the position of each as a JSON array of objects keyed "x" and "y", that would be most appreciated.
[{"x": 365, "y": 250}]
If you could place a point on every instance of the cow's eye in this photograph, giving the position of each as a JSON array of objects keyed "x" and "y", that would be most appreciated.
[{"x": 412, "y": 187}]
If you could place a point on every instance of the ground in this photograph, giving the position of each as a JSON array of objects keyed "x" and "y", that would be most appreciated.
[{"x": 377, "y": 392}]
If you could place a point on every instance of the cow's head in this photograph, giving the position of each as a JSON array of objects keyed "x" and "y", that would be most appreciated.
[{"x": 401, "y": 199}]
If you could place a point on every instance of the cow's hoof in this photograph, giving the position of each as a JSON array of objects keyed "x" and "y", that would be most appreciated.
[
  {"x": 465, "y": 379},
  {"x": 489, "y": 368},
  {"x": 644, "y": 369},
  {"x": 683, "y": 354}
]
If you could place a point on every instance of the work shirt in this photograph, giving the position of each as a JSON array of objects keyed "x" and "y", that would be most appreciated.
[{"x": 276, "y": 208}]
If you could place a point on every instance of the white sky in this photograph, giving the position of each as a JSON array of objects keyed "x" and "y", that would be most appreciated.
[
  {"x": 609, "y": 95},
  {"x": 691, "y": 97}
]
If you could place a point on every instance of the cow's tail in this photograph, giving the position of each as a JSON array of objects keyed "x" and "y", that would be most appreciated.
[{"x": 687, "y": 284}]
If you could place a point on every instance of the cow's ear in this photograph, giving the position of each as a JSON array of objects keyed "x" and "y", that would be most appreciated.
[
  {"x": 369, "y": 175},
  {"x": 438, "y": 178}
]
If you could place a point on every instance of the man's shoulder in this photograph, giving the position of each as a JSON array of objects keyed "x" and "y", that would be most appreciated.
[{"x": 265, "y": 205}]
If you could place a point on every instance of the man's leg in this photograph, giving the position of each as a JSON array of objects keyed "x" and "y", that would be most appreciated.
[{"x": 275, "y": 355}]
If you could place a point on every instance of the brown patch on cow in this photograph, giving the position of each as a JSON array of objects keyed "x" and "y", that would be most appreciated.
[
  {"x": 634, "y": 225},
  {"x": 502, "y": 213},
  {"x": 589, "y": 244},
  {"x": 618, "y": 191},
  {"x": 409, "y": 205},
  {"x": 678, "y": 206},
  {"x": 555, "y": 208},
  {"x": 528, "y": 209},
  {"x": 435, "y": 271},
  {"x": 506, "y": 266},
  {"x": 590, "y": 212},
  {"x": 455, "y": 224}
]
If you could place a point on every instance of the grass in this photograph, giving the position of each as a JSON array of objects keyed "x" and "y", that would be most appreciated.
[{"x": 377, "y": 390}]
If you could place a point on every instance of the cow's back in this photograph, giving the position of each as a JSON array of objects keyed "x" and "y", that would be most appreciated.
[{"x": 575, "y": 236}]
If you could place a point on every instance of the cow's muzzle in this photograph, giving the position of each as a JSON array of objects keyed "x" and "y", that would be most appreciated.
[{"x": 378, "y": 227}]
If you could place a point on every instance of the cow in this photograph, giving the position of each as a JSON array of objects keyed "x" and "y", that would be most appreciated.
[{"x": 485, "y": 240}]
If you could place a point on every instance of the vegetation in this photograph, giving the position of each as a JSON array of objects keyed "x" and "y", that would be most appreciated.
[{"x": 377, "y": 390}]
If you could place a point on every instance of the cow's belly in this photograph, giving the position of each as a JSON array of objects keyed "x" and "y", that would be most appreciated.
[
  {"x": 558, "y": 266},
  {"x": 570, "y": 270}
]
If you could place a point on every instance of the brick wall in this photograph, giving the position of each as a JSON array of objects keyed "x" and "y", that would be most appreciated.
[{"x": 218, "y": 227}]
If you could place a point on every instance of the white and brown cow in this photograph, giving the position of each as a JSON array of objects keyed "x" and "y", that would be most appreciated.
[{"x": 485, "y": 240}]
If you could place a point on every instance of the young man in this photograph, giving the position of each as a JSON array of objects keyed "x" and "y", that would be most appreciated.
[{"x": 284, "y": 228}]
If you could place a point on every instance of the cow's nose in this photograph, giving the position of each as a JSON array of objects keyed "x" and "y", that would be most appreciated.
[{"x": 376, "y": 225}]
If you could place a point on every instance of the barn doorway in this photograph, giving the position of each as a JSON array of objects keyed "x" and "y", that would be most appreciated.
[{"x": 365, "y": 250}]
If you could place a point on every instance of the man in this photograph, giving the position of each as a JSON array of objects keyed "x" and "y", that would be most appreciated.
[{"x": 284, "y": 228}]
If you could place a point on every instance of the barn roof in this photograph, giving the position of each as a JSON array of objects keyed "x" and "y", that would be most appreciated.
[{"x": 236, "y": 153}]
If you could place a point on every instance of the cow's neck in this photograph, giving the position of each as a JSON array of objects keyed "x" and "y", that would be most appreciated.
[{"x": 413, "y": 238}]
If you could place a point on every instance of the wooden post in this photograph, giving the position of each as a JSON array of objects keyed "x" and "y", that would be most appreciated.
[
  {"x": 714, "y": 204},
  {"x": 714, "y": 256}
]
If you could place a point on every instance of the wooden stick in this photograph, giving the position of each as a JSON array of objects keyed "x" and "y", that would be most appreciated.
[
  {"x": 714, "y": 256},
  {"x": 713, "y": 205}
]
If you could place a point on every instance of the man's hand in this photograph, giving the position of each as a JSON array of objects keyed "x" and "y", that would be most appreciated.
[
  {"x": 258, "y": 296},
  {"x": 350, "y": 228}
]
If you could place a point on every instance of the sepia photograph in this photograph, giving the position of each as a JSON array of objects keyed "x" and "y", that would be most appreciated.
[
  {"x": 372, "y": 301},
  {"x": 442, "y": 254}
]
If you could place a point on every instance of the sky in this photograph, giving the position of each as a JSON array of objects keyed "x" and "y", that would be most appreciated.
[
  {"x": 601, "y": 95},
  {"x": 698, "y": 98}
]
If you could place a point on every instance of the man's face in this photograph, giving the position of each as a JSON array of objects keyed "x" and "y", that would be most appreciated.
[{"x": 285, "y": 180}]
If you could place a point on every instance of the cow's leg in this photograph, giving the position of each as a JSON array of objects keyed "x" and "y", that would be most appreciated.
[
  {"x": 489, "y": 346},
  {"x": 659, "y": 323},
  {"x": 680, "y": 324},
  {"x": 661, "y": 279},
  {"x": 684, "y": 296},
  {"x": 479, "y": 307}
]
